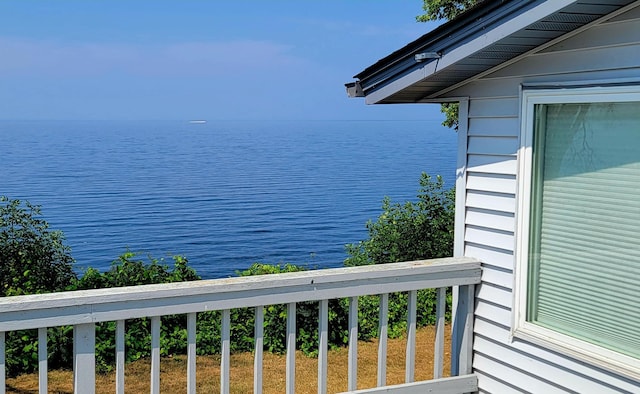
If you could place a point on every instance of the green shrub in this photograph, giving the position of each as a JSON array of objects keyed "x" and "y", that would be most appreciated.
[
  {"x": 33, "y": 258},
  {"x": 411, "y": 231}
]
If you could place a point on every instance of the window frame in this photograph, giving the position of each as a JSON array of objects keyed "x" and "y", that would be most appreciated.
[{"x": 521, "y": 328}]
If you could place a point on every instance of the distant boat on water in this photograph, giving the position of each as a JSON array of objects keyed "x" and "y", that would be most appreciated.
[{"x": 197, "y": 121}]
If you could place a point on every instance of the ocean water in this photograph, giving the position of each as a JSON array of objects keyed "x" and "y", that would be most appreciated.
[{"x": 224, "y": 194}]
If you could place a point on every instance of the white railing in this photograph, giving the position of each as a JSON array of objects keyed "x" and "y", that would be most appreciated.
[{"x": 83, "y": 309}]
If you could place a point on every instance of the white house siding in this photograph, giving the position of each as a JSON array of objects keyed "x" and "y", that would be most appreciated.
[{"x": 610, "y": 50}]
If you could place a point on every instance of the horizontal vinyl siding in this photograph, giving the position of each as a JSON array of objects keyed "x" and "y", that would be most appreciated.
[
  {"x": 510, "y": 85},
  {"x": 504, "y": 364},
  {"x": 494, "y": 294},
  {"x": 490, "y": 237},
  {"x": 493, "y": 340},
  {"x": 491, "y": 385},
  {"x": 495, "y": 107},
  {"x": 492, "y": 164},
  {"x": 503, "y": 221},
  {"x": 497, "y": 183},
  {"x": 498, "y": 257},
  {"x": 496, "y": 314},
  {"x": 495, "y": 145},
  {"x": 494, "y": 127},
  {"x": 518, "y": 377},
  {"x": 489, "y": 89},
  {"x": 497, "y": 276},
  {"x": 491, "y": 201}
]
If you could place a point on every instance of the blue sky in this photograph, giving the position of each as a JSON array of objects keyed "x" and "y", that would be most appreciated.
[{"x": 233, "y": 59}]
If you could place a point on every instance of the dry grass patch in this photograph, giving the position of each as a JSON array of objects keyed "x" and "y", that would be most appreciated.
[{"x": 173, "y": 371}]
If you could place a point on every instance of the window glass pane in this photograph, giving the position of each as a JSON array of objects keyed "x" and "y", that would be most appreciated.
[{"x": 584, "y": 248}]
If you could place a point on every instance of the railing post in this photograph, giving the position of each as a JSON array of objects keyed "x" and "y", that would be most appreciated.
[
  {"x": 191, "y": 352},
  {"x": 225, "y": 352},
  {"x": 258, "y": 349},
  {"x": 120, "y": 356},
  {"x": 352, "y": 376},
  {"x": 410, "y": 354},
  {"x": 155, "y": 354},
  {"x": 84, "y": 358},
  {"x": 438, "y": 348},
  {"x": 323, "y": 345},
  {"x": 42, "y": 361},
  {"x": 383, "y": 321},
  {"x": 291, "y": 349},
  {"x": 462, "y": 332}
]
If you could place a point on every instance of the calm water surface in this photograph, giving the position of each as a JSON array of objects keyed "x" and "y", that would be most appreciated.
[{"x": 224, "y": 194}]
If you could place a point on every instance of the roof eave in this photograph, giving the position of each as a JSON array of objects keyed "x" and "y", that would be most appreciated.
[
  {"x": 422, "y": 71},
  {"x": 399, "y": 78},
  {"x": 443, "y": 31}
]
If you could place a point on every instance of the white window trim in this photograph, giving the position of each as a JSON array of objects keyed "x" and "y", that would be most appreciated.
[{"x": 521, "y": 328}]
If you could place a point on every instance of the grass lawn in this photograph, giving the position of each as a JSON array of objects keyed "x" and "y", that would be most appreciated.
[{"x": 173, "y": 371}]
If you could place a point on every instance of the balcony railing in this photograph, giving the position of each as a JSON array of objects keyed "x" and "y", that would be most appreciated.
[{"x": 83, "y": 309}]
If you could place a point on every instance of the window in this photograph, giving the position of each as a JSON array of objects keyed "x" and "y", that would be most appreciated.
[{"x": 578, "y": 243}]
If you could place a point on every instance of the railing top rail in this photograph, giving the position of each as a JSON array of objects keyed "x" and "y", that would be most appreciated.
[{"x": 86, "y": 306}]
